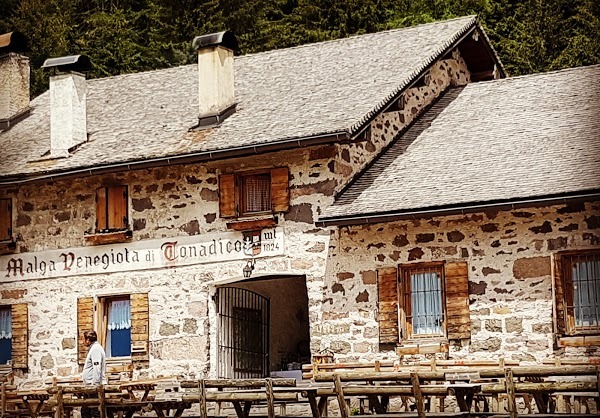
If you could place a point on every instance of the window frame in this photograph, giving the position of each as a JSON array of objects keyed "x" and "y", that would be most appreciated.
[
  {"x": 9, "y": 309},
  {"x": 565, "y": 295},
  {"x": 103, "y": 303},
  {"x": 405, "y": 300},
  {"x": 106, "y": 216},
  {"x": 241, "y": 189},
  {"x": 9, "y": 218}
]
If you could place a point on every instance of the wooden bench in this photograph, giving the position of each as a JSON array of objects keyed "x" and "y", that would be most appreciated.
[
  {"x": 30, "y": 403},
  {"x": 242, "y": 393}
]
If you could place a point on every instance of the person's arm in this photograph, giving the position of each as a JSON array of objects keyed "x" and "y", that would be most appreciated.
[{"x": 97, "y": 361}]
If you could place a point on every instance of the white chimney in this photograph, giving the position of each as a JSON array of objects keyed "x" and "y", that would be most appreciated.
[
  {"x": 68, "y": 127},
  {"x": 14, "y": 79},
  {"x": 216, "y": 97}
]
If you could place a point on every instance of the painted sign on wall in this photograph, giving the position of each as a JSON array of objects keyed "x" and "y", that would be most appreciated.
[{"x": 142, "y": 255}]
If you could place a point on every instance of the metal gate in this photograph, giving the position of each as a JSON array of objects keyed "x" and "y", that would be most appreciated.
[{"x": 243, "y": 333}]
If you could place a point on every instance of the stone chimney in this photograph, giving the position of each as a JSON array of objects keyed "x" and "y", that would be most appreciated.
[
  {"x": 14, "y": 79},
  {"x": 216, "y": 97},
  {"x": 68, "y": 126}
]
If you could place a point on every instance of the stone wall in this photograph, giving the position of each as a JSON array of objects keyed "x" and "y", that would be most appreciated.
[
  {"x": 164, "y": 202},
  {"x": 510, "y": 283},
  {"x": 385, "y": 127}
]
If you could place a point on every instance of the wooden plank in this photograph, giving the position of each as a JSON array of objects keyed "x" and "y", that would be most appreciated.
[
  {"x": 227, "y": 196},
  {"x": 457, "y": 300},
  {"x": 140, "y": 339},
  {"x": 387, "y": 286},
  {"x": 117, "y": 207},
  {"x": 20, "y": 325},
  {"x": 5, "y": 219},
  {"x": 510, "y": 392},
  {"x": 339, "y": 391},
  {"x": 101, "y": 207},
  {"x": 280, "y": 191},
  {"x": 85, "y": 322}
]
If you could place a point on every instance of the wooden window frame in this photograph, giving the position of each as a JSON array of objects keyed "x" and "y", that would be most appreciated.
[
  {"x": 103, "y": 220},
  {"x": 240, "y": 193},
  {"x": 231, "y": 197},
  {"x": 405, "y": 300},
  {"x": 103, "y": 303},
  {"x": 563, "y": 294},
  {"x": 8, "y": 215}
]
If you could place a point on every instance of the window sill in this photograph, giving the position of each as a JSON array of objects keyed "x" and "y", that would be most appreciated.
[
  {"x": 8, "y": 247},
  {"x": 109, "y": 237},
  {"x": 253, "y": 224},
  {"x": 423, "y": 347},
  {"x": 580, "y": 341}
]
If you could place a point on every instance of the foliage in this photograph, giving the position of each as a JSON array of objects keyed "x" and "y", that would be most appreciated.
[{"x": 122, "y": 36}]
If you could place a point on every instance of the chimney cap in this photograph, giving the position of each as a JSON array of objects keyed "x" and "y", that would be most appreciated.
[
  {"x": 225, "y": 39},
  {"x": 79, "y": 63},
  {"x": 13, "y": 42}
]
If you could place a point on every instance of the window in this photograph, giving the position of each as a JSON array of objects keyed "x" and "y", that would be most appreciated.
[
  {"x": 254, "y": 193},
  {"x": 5, "y": 220},
  {"x": 111, "y": 209},
  {"x": 423, "y": 300},
  {"x": 577, "y": 292},
  {"x": 116, "y": 326},
  {"x": 13, "y": 335},
  {"x": 121, "y": 322},
  {"x": 5, "y": 335}
]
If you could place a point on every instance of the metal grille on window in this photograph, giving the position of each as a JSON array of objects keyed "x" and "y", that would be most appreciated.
[
  {"x": 426, "y": 302},
  {"x": 256, "y": 193},
  {"x": 118, "y": 338},
  {"x": 586, "y": 291},
  {"x": 5, "y": 335}
]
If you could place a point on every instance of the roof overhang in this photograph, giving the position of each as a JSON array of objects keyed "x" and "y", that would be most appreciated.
[
  {"x": 198, "y": 157},
  {"x": 461, "y": 209}
]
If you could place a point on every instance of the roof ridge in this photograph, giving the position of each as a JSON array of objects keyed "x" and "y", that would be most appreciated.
[
  {"x": 540, "y": 74},
  {"x": 329, "y": 41},
  {"x": 472, "y": 21}
]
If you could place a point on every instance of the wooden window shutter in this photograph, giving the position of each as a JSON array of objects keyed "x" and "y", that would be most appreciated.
[
  {"x": 101, "y": 219},
  {"x": 227, "y": 195},
  {"x": 5, "y": 219},
  {"x": 140, "y": 327},
  {"x": 85, "y": 322},
  {"x": 387, "y": 287},
  {"x": 20, "y": 333},
  {"x": 117, "y": 207},
  {"x": 458, "y": 317},
  {"x": 280, "y": 189}
]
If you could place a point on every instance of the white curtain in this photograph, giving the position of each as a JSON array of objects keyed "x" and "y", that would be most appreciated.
[
  {"x": 5, "y": 324},
  {"x": 426, "y": 296},
  {"x": 586, "y": 293},
  {"x": 119, "y": 315}
]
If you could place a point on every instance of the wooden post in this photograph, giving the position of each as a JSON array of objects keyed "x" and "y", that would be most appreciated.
[
  {"x": 59, "y": 403},
  {"x": 3, "y": 407},
  {"x": 344, "y": 412},
  {"x": 270, "y": 403},
  {"x": 101, "y": 401},
  {"x": 510, "y": 392},
  {"x": 202, "y": 394},
  {"x": 414, "y": 377}
]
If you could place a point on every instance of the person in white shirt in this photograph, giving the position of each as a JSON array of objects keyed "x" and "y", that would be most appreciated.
[{"x": 94, "y": 369}]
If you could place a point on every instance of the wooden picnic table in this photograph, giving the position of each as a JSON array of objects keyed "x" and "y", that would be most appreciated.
[
  {"x": 132, "y": 387},
  {"x": 32, "y": 401}
]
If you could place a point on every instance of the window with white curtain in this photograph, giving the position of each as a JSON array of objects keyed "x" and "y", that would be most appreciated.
[
  {"x": 5, "y": 334},
  {"x": 422, "y": 301},
  {"x": 117, "y": 327}
]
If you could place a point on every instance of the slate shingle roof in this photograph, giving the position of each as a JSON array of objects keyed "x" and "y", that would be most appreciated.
[
  {"x": 290, "y": 93},
  {"x": 501, "y": 140}
]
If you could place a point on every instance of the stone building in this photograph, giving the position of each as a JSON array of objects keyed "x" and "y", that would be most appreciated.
[{"x": 381, "y": 195}]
